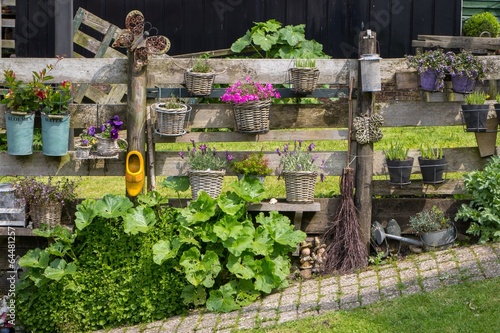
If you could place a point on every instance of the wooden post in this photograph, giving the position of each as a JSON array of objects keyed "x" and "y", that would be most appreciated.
[
  {"x": 136, "y": 106},
  {"x": 63, "y": 20},
  {"x": 364, "y": 159}
]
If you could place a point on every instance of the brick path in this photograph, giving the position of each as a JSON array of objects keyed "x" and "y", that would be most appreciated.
[{"x": 418, "y": 273}]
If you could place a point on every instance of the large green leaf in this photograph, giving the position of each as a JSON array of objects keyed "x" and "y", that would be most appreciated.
[
  {"x": 240, "y": 237},
  {"x": 231, "y": 204},
  {"x": 176, "y": 183},
  {"x": 194, "y": 295},
  {"x": 293, "y": 34},
  {"x": 138, "y": 220},
  {"x": 152, "y": 199},
  {"x": 223, "y": 300},
  {"x": 85, "y": 213},
  {"x": 228, "y": 227},
  {"x": 58, "y": 268},
  {"x": 280, "y": 229},
  {"x": 200, "y": 269},
  {"x": 111, "y": 206},
  {"x": 249, "y": 189},
  {"x": 262, "y": 243},
  {"x": 36, "y": 258},
  {"x": 58, "y": 249},
  {"x": 164, "y": 250},
  {"x": 241, "y": 266},
  {"x": 199, "y": 210},
  {"x": 242, "y": 42},
  {"x": 265, "y": 280},
  {"x": 265, "y": 40}
]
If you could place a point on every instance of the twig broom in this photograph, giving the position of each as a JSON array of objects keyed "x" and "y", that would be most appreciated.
[{"x": 345, "y": 251}]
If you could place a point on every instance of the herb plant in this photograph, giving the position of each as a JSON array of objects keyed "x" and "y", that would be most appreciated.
[
  {"x": 299, "y": 159},
  {"x": 305, "y": 63},
  {"x": 431, "y": 153},
  {"x": 396, "y": 152},
  {"x": 279, "y": 42},
  {"x": 483, "y": 211},
  {"x": 254, "y": 164},
  {"x": 475, "y": 98},
  {"x": 37, "y": 192},
  {"x": 204, "y": 158},
  {"x": 429, "y": 220},
  {"x": 201, "y": 64},
  {"x": 227, "y": 258}
]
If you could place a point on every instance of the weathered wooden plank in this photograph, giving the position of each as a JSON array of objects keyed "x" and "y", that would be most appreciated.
[
  {"x": 95, "y": 46},
  {"x": 407, "y": 80},
  {"x": 97, "y": 23},
  {"x": 284, "y": 207},
  {"x": 168, "y": 70},
  {"x": 76, "y": 70},
  {"x": 417, "y": 188},
  {"x": 457, "y": 42},
  {"x": 458, "y": 159},
  {"x": 8, "y": 44},
  {"x": 291, "y": 135}
]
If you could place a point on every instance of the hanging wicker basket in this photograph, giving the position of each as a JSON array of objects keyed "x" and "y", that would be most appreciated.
[
  {"x": 199, "y": 84},
  {"x": 252, "y": 117},
  {"x": 300, "y": 186},
  {"x": 171, "y": 122},
  {"x": 303, "y": 80},
  {"x": 209, "y": 181},
  {"x": 48, "y": 214}
]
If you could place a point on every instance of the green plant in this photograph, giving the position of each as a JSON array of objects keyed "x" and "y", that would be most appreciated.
[
  {"x": 483, "y": 211},
  {"x": 201, "y": 64},
  {"x": 497, "y": 98},
  {"x": 204, "y": 158},
  {"x": 435, "y": 60},
  {"x": 227, "y": 258},
  {"x": 37, "y": 192},
  {"x": 87, "y": 138},
  {"x": 101, "y": 275},
  {"x": 305, "y": 63},
  {"x": 479, "y": 23},
  {"x": 465, "y": 63},
  {"x": 57, "y": 100},
  {"x": 476, "y": 97},
  {"x": 242, "y": 92},
  {"x": 172, "y": 103},
  {"x": 299, "y": 159},
  {"x": 431, "y": 153},
  {"x": 430, "y": 220},
  {"x": 254, "y": 164},
  {"x": 396, "y": 152},
  {"x": 279, "y": 42}
]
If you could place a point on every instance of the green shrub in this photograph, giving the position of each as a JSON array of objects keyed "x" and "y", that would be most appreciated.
[
  {"x": 480, "y": 23},
  {"x": 103, "y": 274},
  {"x": 483, "y": 187}
]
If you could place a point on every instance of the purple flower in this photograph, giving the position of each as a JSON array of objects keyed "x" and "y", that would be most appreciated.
[
  {"x": 91, "y": 130},
  {"x": 311, "y": 147},
  {"x": 85, "y": 142},
  {"x": 181, "y": 154},
  {"x": 229, "y": 157},
  {"x": 113, "y": 134},
  {"x": 278, "y": 151}
]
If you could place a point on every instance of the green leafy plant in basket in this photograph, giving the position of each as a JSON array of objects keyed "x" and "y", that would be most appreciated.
[
  {"x": 203, "y": 157},
  {"x": 201, "y": 64},
  {"x": 305, "y": 63}
]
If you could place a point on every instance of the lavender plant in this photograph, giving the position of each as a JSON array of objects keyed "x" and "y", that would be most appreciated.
[
  {"x": 36, "y": 192},
  {"x": 300, "y": 159}
]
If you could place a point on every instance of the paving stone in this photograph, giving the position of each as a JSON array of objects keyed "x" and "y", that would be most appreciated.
[
  {"x": 485, "y": 252},
  {"x": 369, "y": 281},
  {"x": 406, "y": 264},
  {"x": 328, "y": 306},
  {"x": 287, "y": 316},
  {"x": 367, "y": 274},
  {"x": 328, "y": 290},
  {"x": 429, "y": 273},
  {"x": 491, "y": 269},
  {"x": 387, "y": 273},
  {"x": 348, "y": 280},
  {"x": 390, "y": 292},
  {"x": 348, "y": 299},
  {"x": 188, "y": 324},
  {"x": 445, "y": 257},
  {"x": 409, "y": 274},
  {"x": 309, "y": 286},
  {"x": 390, "y": 281},
  {"x": 349, "y": 290},
  {"x": 426, "y": 265},
  {"x": 369, "y": 295},
  {"x": 464, "y": 254},
  {"x": 208, "y": 320},
  {"x": 431, "y": 284},
  {"x": 350, "y": 306},
  {"x": 409, "y": 290},
  {"x": 172, "y": 323}
]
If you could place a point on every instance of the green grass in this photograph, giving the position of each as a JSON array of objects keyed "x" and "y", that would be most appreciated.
[{"x": 469, "y": 307}]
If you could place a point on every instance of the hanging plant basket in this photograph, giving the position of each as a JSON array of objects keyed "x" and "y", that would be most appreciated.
[
  {"x": 303, "y": 79},
  {"x": 209, "y": 181},
  {"x": 400, "y": 171},
  {"x": 432, "y": 170},
  {"x": 252, "y": 117},
  {"x": 462, "y": 83},
  {"x": 300, "y": 186},
  {"x": 199, "y": 84},
  {"x": 474, "y": 117},
  {"x": 171, "y": 122},
  {"x": 55, "y": 134}
]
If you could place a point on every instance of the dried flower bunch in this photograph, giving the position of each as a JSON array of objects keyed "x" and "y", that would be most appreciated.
[
  {"x": 300, "y": 159},
  {"x": 36, "y": 94},
  {"x": 205, "y": 158},
  {"x": 36, "y": 192},
  {"x": 242, "y": 92},
  {"x": 255, "y": 164}
]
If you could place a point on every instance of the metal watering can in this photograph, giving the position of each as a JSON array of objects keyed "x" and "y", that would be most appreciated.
[{"x": 393, "y": 232}]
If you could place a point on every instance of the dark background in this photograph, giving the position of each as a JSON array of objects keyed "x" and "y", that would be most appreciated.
[{"x": 203, "y": 25}]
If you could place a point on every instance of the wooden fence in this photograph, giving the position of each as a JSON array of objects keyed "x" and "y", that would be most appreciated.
[{"x": 399, "y": 103}]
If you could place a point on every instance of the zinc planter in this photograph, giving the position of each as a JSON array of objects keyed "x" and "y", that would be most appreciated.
[
  {"x": 19, "y": 132},
  {"x": 439, "y": 238},
  {"x": 55, "y": 134}
]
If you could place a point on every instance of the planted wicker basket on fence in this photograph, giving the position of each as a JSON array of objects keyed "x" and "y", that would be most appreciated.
[
  {"x": 303, "y": 80},
  {"x": 171, "y": 122},
  {"x": 47, "y": 214},
  {"x": 199, "y": 84},
  {"x": 252, "y": 117},
  {"x": 300, "y": 186},
  {"x": 209, "y": 181}
]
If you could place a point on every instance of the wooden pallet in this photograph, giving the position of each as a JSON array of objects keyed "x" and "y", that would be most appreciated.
[{"x": 101, "y": 94}]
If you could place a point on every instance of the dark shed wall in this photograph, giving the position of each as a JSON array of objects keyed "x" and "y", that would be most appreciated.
[{"x": 201, "y": 25}]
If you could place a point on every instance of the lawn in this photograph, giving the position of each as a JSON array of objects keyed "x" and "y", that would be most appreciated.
[{"x": 469, "y": 307}]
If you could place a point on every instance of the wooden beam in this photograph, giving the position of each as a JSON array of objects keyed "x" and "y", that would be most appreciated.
[{"x": 456, "y": 42}]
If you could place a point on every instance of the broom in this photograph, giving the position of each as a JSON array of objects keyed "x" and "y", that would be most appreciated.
[{"x": 345, "y": 251}]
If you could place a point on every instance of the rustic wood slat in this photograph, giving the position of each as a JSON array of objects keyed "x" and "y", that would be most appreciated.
[
  {"x": 457, "y": 42},
  {"x": 94, "y": 46},
  {"x": 8, "y": 44},
  {"x": 97, "y": 23},
  {"x": 8, "y": 23},
  {"x": 284, "y": 207},
  {"x": 417, "y": 188}
]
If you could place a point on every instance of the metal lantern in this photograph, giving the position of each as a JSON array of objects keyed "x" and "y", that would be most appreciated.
[{"x": 370, "y": 72}]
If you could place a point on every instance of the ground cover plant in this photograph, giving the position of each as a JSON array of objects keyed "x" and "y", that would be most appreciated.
[{"x": 468, "y": 307}]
